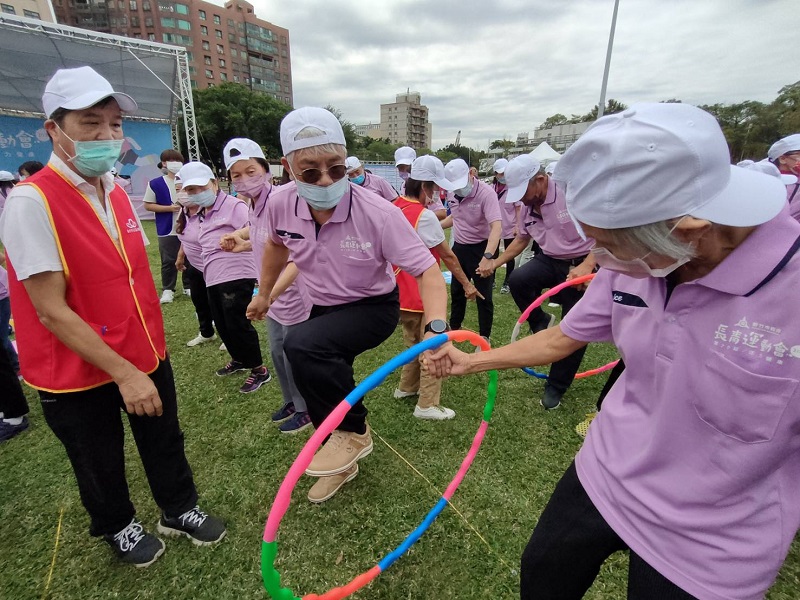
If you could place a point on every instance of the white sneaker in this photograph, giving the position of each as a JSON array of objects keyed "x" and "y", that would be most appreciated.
[
  {"x": 436, "y": 413},
  {"x": 398, "y": 393},
  {"x": 223, "y": 347},
  {"x": 167, "y": 296},
  {"x": 201, "y": 340}
]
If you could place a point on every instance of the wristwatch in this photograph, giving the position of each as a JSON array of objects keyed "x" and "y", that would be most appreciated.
[
  {"x": 437, "y": 326},
  {"x": 488, "y": 255}
]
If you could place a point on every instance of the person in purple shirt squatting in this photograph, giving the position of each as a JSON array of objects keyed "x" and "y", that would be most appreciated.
[
  {"x": 230, "y": 278},
  {"x": 343, "y": 239},
  {"x": 693, "y": 463}
]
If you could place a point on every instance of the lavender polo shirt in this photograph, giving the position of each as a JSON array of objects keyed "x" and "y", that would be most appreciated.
[
  {"x": 190, "y": 241},
  {"x": 352, "y": 256},
  {"x": 552, "y": 227},
  {"x": 292, "y": 306},
  {"x": 4, "y": 293},
  {"x": 694, "y": 460},
  {"x": 793, "y": 196},
  {"x": 473, "y": 214},
  {"x": 226, "y": 216},
  {"x": 508, "y": 212},
  {"x": 380, "y": 186}
]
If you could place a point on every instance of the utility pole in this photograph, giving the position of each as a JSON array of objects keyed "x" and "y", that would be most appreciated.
[{"x": 602, "y": 105}]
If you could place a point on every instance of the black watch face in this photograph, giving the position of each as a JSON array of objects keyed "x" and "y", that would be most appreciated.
[
  {"x": 487, "y": 255},
  {"x": 437, "y": 326}
]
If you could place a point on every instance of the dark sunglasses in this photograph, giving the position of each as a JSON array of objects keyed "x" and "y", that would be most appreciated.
[{"x": 336, "y": 172}]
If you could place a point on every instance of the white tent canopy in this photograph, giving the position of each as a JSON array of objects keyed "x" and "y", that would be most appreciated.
[
  {"x": 155, "y": 75},
  {"x": 545, "y": 153}
]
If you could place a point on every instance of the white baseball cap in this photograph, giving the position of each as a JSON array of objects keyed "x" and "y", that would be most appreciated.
[
  {"x": 660, "y": 161},
  {"x": 6, "y": 176},
  {"x": 550, "y": 168},
  {"x": 352, "y": 163},
  {"x": 310, "y": 116},
  {"x": 404, "y": 155},
  {"x": 499, "y": 165},
  {"x": 766, "y": 167},
  {"x": 519, "y": 171},
  {"x": 241, "y": 149},
  {"x": 195, "y": 173},
  {"x": 457, "y": 172},
  {"x": 791, "y": 143},
  {"x": 430, "y": 168},
  {"x": 76, "y": 89}
]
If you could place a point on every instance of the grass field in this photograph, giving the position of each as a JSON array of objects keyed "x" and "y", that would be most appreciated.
[{"x": 239, "y": 459}]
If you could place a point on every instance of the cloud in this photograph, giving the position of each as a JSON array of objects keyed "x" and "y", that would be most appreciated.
[{"x": 497, "y": 68}]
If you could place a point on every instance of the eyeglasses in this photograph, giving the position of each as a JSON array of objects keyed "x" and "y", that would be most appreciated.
[{"x": 336, "y": 172}]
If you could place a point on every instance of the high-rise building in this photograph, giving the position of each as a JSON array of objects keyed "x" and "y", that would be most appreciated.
[
  {"x": 33, "y": 9},
  {"x": 223, "y": 43},
  {"x": 405, "y": 121}
]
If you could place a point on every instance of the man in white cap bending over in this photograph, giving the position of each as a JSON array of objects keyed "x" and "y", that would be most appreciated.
[
  {"x": 693, "y": 462},
  {"x": 89, "y": 325},
  {"x": 785, "y": 154},
  {"x": 358, "y": 176}
]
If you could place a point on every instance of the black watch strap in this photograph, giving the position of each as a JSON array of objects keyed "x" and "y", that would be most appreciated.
[
  {"x": 488, "y": 255},
  {"x": 437, "y": 326}
]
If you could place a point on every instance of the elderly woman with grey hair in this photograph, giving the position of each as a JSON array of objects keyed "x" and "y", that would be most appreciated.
[{"x": 693, "y": 463}]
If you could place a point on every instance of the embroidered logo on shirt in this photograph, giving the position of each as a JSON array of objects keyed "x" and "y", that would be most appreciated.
[
  {"x": 351, "y": 243},
  {"x": 132, "y": 226},
  {"x": 290, "y": 234},
  {"x": 755, "y": 339},
  {"x": 628, "y": 299}
]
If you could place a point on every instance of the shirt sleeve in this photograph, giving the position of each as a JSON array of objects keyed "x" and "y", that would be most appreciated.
[
  {"x": 271, "y": 222},
  {"x": 241, "y": 214},
  {"x": 429, "y": 229},
  {"x": 590, "y": 318},
  {"x": 491, "y": 207},
  {"x": 403, "y": 247},
  {"x": 149, "y": 195},
  {"x": 27, "y": 234},
  {"x": 388, "y": 191}
]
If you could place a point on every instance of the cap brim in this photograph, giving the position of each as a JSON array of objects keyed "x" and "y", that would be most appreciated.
[
  {"x": 234, "y": 159},
  {"x": 515, "y": 194},
  {"x": 500, "y": 170},
  {"x": 446, "y": 184},
  {"x": 750, "y": 198},
  {"x": 404, "y": 161},
  {"x": 197, "y": 181},
  {"x": 460, "y": 182},
  {"x": 126, "y": 103},
  {"x": 788, "y": 179}
]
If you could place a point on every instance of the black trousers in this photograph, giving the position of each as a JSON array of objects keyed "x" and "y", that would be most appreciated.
[
  {"x": 527, "y": 284},
  {"x": 469, "y": 256},
  {"x": 321, "y": 352},
  {"x": 228, "y": 302},
  {"x": 612, "y": 379},
  {"x": 89, "y": 426},
  {"x": 194, "y": 278},
  {"x": 570, "y": 543},
  {"x": 12, "y": 400},
  {"x": 168, "y": 247},
  {"x": 510, "y": 264}
]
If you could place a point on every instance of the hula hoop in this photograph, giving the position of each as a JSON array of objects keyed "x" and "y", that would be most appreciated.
[
  {"x": 269, "y": 546},
  {"x": 538, "y": 302}
]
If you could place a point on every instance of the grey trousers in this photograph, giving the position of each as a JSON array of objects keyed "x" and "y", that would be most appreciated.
[{"x": 280, "y": 363}]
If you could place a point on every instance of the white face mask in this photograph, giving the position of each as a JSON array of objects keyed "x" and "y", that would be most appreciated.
[
  {"x": 318, "y": 197},
  {"x": 173, "y": 166},
  {"x": 465, "y": 191}
]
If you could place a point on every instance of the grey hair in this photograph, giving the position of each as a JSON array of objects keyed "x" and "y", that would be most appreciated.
[
  {"x": 653, "y": 238},
  {"x": 315, "y": 151}
]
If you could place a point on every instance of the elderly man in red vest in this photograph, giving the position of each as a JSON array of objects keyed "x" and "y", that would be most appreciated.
[{"x": 89, "y": 325}]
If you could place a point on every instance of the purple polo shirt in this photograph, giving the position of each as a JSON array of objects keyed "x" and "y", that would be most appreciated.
[
  {"x": 508, "y": 212},
  {"x": 3, "y": 283},
  {"x": 552, "y": 227},
  {"x": 226, "y": 216},
  {"x": 473, "y": 214},
  {"x": 352, "y": 256},
  {"x": 380, "y": 186},
  {"x": 190, "y": 241},
  {"x": 793, "y": 197},
  {"x": 694, "y": 460},
  {"x": 292, "y": 306}
]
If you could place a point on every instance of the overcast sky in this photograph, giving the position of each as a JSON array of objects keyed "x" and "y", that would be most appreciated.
[{"x": 499, "y": 67}]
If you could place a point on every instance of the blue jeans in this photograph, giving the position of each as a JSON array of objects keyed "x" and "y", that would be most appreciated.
[{"x": 5, "y": 316}]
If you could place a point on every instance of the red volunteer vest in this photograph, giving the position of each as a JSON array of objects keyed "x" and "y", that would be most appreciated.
[
  {"x": 410, "y": 299},
  {"x": 110, "y": 288}
]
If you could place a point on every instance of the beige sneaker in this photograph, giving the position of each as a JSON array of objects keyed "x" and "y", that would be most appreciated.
[
  {"x": 326, "y": 487},
  {"x": 434, "y": 413},
  {"x": 339, "y": 453}
]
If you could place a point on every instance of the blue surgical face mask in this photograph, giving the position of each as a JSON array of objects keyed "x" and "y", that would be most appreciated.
[
  {"x": 404, "y": 175},
  {"x": 94, "y": 158},
  {"x": 360, "y": 179},
  {"x": 321, "y": 198},
  {"x": 501, "y": 179},
  {"x": 465, "y": 191},
  {"x": 203, "y": 199}
]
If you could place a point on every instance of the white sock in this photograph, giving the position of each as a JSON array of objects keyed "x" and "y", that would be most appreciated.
[{"x": 14, "y": 421}]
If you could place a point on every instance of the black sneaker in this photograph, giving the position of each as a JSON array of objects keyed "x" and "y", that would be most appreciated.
[
  {"x": 298, "y": 422},
  {"x": 232, "y": 367},
  {"x": 255, "y": 380},
  {"x": 551, "y": 398},
  {"x": 285, "y": 412},
  {"x": 134, "y": 546},
  {"x": 201, "y": 528},
  {"x": 8, "y": 431}
]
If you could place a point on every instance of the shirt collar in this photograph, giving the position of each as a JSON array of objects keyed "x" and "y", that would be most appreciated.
[
  {"x": 754, "y": 259},
  {"x": 217, "y": 203},
  {"x": 74, "y": 178},
  {"x": 551, "y": 191}
]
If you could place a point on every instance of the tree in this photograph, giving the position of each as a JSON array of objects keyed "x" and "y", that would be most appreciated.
[
  {"x": 350, "y": 137},
  {"x": 554, "y": 121},
  {"x": 506, "y": 145},
  {"x": 742, "y": 123},
  {"x": 231, "y": 110},
  {"x": 612, "y": 106}
]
